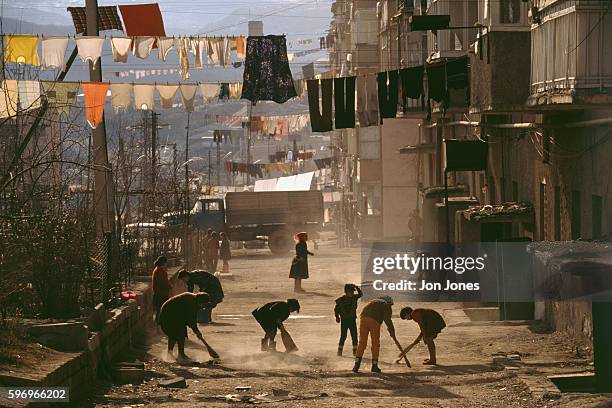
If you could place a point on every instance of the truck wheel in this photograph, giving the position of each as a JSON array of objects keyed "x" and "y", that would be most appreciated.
[{"x": 279, "y": 242}]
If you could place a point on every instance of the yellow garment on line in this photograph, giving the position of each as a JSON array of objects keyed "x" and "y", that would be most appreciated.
[
  {"x": 8, "y": 98},
  {"x": 22, "y": 49}
]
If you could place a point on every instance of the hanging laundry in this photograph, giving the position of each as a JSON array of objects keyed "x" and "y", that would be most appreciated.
[
  {"x": 209, "y": 91},
  {"x": 29, "y": 94},
  {"x": 388, "y": 92},
  {"x": 22, "y": 49},
  {"x": 235, "y": 90},
  {"x": 188, "y": 92},
  {"x": 320, "y": 121},
  {"x": 436, "y": 82},
  {"x": 60, "y": 95},
  {"x": 143, "y": 96},
  {"x": 216, "y": 50},
  {"x": 120, "y": 47},
  {"x": 121, "y": 95},
  {"x": 412, "y": 84},
  {"x": 167, "y": 95},
  {"x": 9, "y": 98},
  {"x": 267, "y": 76},
  {"x": 240, "y": 47},
  {"x": 142, "y": 19},
  {"x": 181, "y": 49},
  {"x": 95, "y": 99},
  {"x": 53, "y": 52},
  {"x": 164, "y": 45},
  {"x": 300, "y": 87},
  {"x": 344, "y": 102},
  {"x": 367, "y": 101},
  {"x": 230, "y": 45},
  {"x": 108, "y": 19},
  {"x": 458, "y": 75},
  {"x": 90, "y": 48},
  {"x": 142, "y": 46}
]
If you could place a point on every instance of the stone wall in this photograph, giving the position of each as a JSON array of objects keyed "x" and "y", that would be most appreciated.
[{"x": 124, "y": 327}]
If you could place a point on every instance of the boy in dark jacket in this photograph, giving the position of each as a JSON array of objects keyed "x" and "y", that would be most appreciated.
[{"x": 346, "y": 314}]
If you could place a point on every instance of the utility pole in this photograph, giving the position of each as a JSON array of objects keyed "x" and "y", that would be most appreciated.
[
  {"x": 187, "y": 209},
  {"x": 218, "y": 164},
  {"x": 153, "y": 162},
  {"x": 209, "y": 173},
  {"x": 103, "y": 191}
]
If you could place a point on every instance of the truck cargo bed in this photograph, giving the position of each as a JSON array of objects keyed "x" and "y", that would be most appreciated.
[{"x": 273, "y": 207}]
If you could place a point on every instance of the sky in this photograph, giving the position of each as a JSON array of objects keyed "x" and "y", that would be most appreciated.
[{"x": 296, "y": 17}]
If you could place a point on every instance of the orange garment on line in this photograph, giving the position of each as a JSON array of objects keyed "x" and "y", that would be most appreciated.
[
  {"x": 241, "y": 47},
  {"x": 22, "y": 49},
  {"x": 95, "y": 99},
  {"x": 368, "y": 327}
]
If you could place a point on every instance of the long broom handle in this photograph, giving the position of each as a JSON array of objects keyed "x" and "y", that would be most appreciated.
[
  {"x": 399, "y": 346},
  {"x": 404, "y": 352}
]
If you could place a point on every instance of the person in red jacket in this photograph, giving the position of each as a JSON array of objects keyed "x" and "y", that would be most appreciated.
[{"x": 160, "y": 285}]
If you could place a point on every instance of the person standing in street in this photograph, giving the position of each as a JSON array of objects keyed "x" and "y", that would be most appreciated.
[
  {"x": 204, "y": 244},
  {"x": 212, "y": 253},
  {"x": 206, "y": 282},
  {"x": 346, "y": 314},
  {"x": 431, "y": 324},
  {"x": 225, "y": 252},
  {"x": 299, "y": 265},
  {"x": 160, "y": 285},
  {"x": 372, "y": 316}
]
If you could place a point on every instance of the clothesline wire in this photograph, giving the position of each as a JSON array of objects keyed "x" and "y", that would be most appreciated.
[{"x": 300, "y": 4}]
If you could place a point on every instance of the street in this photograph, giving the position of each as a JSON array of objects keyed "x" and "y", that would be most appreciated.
[{"x": 315, "y": 376}]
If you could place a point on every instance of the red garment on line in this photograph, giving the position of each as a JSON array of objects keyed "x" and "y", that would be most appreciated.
[
  {"x": 95, "y": 99},
  {"x": 142, "y": 20}
]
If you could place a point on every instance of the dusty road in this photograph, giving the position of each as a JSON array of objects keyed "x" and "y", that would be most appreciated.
[{"x": 465, "y": 377}]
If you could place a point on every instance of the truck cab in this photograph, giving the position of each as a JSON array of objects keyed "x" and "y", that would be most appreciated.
[{"x": 208, "y": 213}]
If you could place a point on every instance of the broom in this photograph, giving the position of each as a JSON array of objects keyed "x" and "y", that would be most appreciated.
[
  {"x": 288, "y": 342},
  {"x": 210, "y": 350},
  {"x": 399, "y": 346}
]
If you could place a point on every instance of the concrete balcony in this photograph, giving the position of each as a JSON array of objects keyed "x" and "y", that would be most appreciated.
[
  {"x": 571, "y": 66},
  {"x": 500, "y": 69}
]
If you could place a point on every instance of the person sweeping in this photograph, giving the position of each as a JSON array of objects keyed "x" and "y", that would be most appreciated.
[
  {"x": 206, "y": 282},
  {"x": 371, "y": 318},
  {"x": 431, "y": 324},
  {"x": 299, "y": 265},
  {"x": 271, "y": 317},
  {"x": 176, "y": 315},
  {"x": 346, "y": 314}
]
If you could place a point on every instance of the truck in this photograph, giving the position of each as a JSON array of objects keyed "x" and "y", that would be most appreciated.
[{"x": 273, "y": 216}]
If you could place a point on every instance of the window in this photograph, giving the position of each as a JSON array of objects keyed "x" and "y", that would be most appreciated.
[
  {"x": 557, "y": 213},
  {"x": 372, "y": 199},
  {"x": 509, "y": 11},
  {"x": 213, "y": 206},
  {"x": 576, "y": 214},
  {"x": 597, "y": 208},
  {"x": 542, "y": 220}
]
